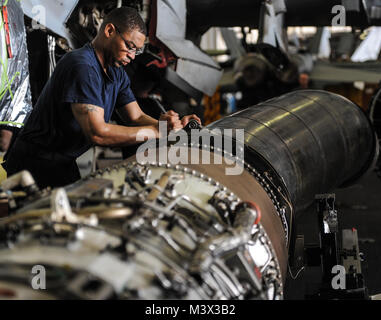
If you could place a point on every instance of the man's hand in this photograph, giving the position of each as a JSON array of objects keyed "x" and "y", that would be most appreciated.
[
  {"x": 186, "y": 119},
  {"x": 173, "y": 120}
]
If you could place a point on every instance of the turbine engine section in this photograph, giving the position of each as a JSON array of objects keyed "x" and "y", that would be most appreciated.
[
  {"x": 141, "y": 232},
  {"x": 158, "y": 230},
  {"x": 315, "y": 140}
]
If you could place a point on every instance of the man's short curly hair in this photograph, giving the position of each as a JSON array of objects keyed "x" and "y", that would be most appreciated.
[{"x": 126, "y": 19}]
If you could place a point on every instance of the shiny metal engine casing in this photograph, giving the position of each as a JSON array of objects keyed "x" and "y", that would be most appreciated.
[{"x": 167, "y": 231}]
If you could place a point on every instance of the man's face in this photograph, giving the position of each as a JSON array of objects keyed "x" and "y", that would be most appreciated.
[{"x": 123, "y": 47}]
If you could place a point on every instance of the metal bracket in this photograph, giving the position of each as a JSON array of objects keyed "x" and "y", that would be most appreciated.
[
  {"x": 332, "y": 254},
  {"x": 271, "y": 24},
  {"x": 328, "y": 226},
  {"x": 61, "y": 210}
]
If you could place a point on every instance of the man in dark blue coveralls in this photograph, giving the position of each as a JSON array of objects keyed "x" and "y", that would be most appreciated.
[{"x": 74, "y": 109}]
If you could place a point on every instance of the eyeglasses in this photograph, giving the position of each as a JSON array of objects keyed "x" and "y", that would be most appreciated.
[{"x": 131, "y": 47}]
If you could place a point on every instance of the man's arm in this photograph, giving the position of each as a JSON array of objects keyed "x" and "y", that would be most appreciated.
[
  {"x": 98, "y": 132},
  {"x": 133, "y": 113}
]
